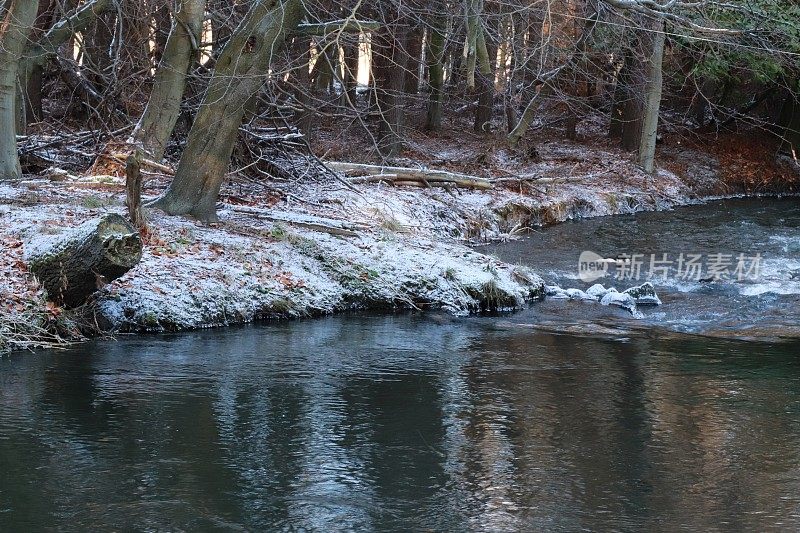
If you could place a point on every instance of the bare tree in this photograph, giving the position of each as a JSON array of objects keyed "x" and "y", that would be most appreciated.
[
  {"x": 647, "y": 143},
  {"x": 389, "y": 70},
  {"x": 239, "y": 73},
  {"x": 158, "y": 120},
  {"x": 435, "y": 59}
]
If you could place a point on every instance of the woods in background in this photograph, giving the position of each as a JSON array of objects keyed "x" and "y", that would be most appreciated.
[{"x": 191, "y": 80}]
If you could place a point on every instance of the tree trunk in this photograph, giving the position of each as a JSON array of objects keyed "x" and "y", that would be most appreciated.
[
  {"x": 390, "y": 68},
  {"x": 628, "y": 107},
  {"x": 31, "y": 77},
  {"x": 351, "y": 52},
  {"x": 789, "y": 121},
  {"x": 435, "y": 58},
  {"x": 632, "y": 114},
  {"x": 240, "y": 72},
  {"x": 18, "y": 18},
  {"x": 578, "y": 81},
  {"x": 526, "y": 119},
  {"x": 158, "y": 120},
  {"x": 75, "y": 264},
  {"x": 375, "y": 173},
  {"x": 322, "y": 73},
  {"x": 647, "y": 144},
  {"x": 413, "y": 61},
  {"x": 474, "y": 28},
  {"x": 517, "y": 64},
  {"x": 133, "y": 188},
  {"x": 622, "y": 92},
  {"x": 97, "y": 51},
  {"x": 698, "y": 109},
  {"x": 455, "y": 76},
  {"x": 37, "y": 53},
  {"x": 303, "y": 116},
  {"x": 33, "y": 96},
  {"x": 545, "y": 83},
  {"x": 484, "y": 84}
]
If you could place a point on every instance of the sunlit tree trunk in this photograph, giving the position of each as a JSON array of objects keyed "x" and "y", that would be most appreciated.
[
  {"x": 240, "y": 72},
  {"x": 159, "y": 117},
  {"x": 484, "y": 83},
  {"x": 647, "y": 143},
  {"x": 474, "y": 28}
]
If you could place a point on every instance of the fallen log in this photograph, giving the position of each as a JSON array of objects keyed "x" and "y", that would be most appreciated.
[
  {"x": 536, "y": 178},
  {"x": 311, "y": 222},
  {"x": 357, "y": 172},
  {"x": 73, "y": 265}
]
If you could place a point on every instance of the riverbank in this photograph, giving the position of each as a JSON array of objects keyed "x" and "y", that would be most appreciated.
[{"x": 319, "y": 247}]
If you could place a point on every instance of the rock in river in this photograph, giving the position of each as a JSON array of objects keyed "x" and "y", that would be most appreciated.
[{"x": 644, "y": 294}]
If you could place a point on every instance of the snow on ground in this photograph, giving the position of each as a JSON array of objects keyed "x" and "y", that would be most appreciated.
[
  {"x": 218, "y": 276},
  {"x": 247, "y": 268},
  {"x": 324, "y": 249}
]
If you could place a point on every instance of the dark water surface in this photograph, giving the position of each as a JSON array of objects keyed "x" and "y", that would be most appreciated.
[{"x": 567, "y": 417}]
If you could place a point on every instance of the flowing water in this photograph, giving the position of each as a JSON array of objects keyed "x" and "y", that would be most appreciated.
[
  {"x": 569, "y": 416},
  {"x": 762, "y": 301}
]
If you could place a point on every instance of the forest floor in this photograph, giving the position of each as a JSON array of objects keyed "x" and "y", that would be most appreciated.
[{"x": 319, "y": 246}]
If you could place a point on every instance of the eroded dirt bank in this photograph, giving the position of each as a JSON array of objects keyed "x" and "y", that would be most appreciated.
[{"x": 327, "y": 247}]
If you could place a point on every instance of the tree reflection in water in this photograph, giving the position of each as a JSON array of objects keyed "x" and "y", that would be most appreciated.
[{"x": 398, "y": 423}]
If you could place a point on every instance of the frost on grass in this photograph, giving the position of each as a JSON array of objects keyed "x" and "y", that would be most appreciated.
[
  {"x": 216, "y": 278},
  {"x": 572, "y": 182}
]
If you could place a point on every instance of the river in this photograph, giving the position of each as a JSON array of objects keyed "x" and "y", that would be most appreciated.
[{"x": 567, "y": 416}]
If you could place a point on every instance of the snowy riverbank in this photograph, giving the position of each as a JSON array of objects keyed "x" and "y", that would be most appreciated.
[{"x": 314, "y": 252}]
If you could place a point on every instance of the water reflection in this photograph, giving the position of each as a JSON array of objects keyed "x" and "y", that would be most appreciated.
[{"x": 396, "y": 423}]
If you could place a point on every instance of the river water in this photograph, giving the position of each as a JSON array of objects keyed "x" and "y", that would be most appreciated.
[{"x": 568, "y": 416}]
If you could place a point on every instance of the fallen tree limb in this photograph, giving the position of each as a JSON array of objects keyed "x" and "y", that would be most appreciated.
[
  {"x": 361, "y": 173},
  {"x": 539, "y": 179},
  {"x": 326, "y": 225},
  {"x": 123, "y": 158}
]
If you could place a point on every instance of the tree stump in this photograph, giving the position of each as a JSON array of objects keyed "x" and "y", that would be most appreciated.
[
  {"x": 133, "y": 188},
  {"x": 73, "y": 265}
]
